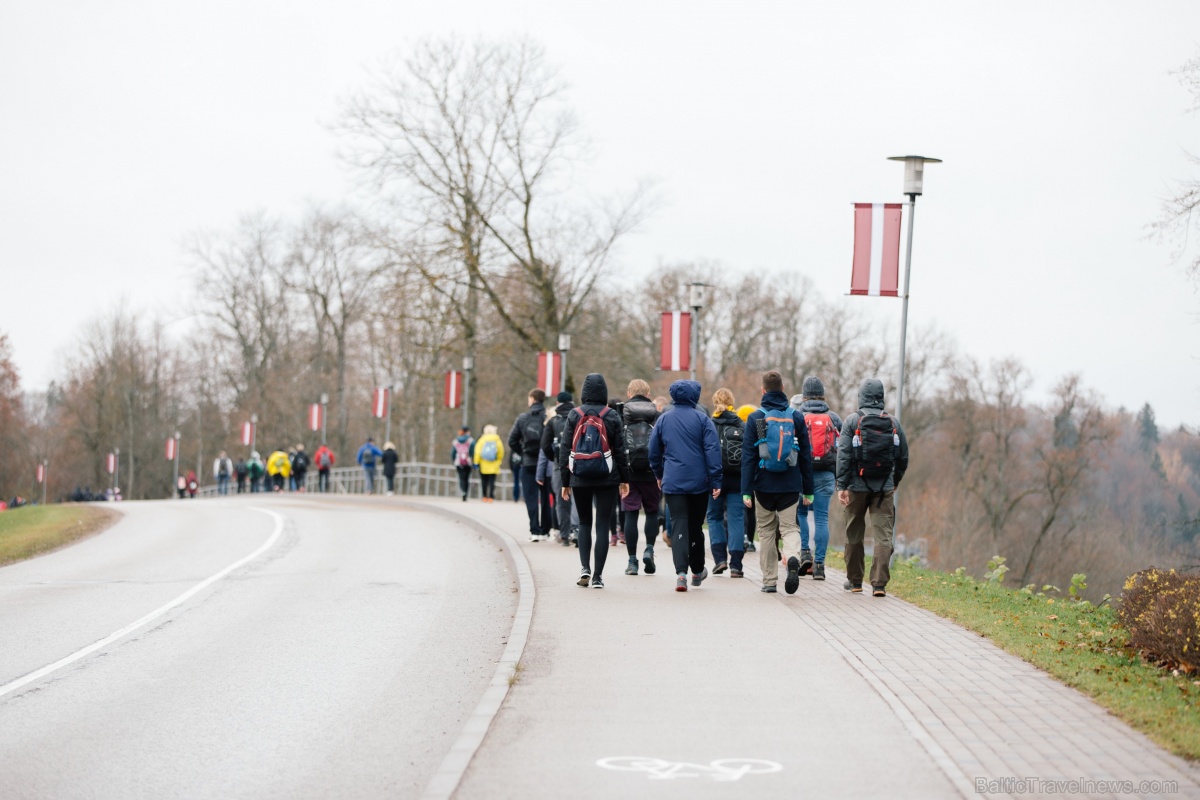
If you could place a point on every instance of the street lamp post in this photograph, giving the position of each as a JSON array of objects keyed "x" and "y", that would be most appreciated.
[
  {"x": 253, "y": 432},
  {"x": 324, "y": 415},
  {"x": 175, "y": 482},
  {"x": 696, "y": 301},
  {"x": 116, "y": 468},
  {"x": 914, "y": 173},
  {"x": 468, "y": 368},
  {"x": 45, "y": 477},
  {"x": 387, "y": 425},
  {"x": 564, "y": 346}
]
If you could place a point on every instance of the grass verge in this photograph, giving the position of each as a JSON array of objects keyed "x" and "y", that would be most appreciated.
[
  {"x": 33, "y": 530},
  {"x": 1082, "y": 645}
]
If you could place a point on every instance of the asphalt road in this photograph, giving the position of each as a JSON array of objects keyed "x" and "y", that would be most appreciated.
[{"x": 342, "y": 661}]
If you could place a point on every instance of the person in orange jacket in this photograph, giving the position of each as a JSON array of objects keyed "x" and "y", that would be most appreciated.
[{"x": 324, "y": 460}]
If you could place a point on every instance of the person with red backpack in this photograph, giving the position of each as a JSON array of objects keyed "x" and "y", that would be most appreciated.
[
  {"x": 594, "y": 467},
  {"x": 871, "y": 461},
  {"x": 776, "y": 475},
  {"x": 324, "y": 461},
  {"x": 462, "y": 455},
  {"x": 824, "y": 426}
]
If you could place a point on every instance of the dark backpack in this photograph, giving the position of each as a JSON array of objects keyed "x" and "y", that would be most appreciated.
[
  {"x": 369, "y": 458},
  {"x": 557, "y": 425},
  {"x": 323, "y": 461},
  {"x": 730, "y": 435},
  {"x": 300, "y": 462},
  {"x": 532, "y": 432},
  {"x": 223, "y": 470},
  {"x": 823, "y": 437},
  {"x": 591, "y": 456},
  {"x": 637, "y": 443},
  {"x": 876, "y": 445}
]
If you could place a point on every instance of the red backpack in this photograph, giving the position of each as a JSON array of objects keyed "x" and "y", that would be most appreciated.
[
  {"x": 591, "y": 457},
  {"x": 823, "y": 436}
]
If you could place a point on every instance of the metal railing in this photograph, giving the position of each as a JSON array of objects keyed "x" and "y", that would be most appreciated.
[{"x": 416, "y": 478}]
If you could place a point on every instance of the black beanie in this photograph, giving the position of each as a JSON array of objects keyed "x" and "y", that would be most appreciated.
[
  {"x": 564, "y": 397},
  {"x": 813, "y": 387}
]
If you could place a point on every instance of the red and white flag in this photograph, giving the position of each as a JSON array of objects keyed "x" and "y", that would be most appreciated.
[
  {"x": 549, "y": 376},
  {"x": 314, "y": 417},
  {"x": 111, "y": 463},
  {"x": 170, "y": 449},
  {"x": 676, "y": 341},
  {"x": 379, "y": 403},
  {"x": 876, "y": 269},
  {"x": 453, "y": 394},
  {"x": 247, "y": 433},
  {"x": 41, "y": 473}
]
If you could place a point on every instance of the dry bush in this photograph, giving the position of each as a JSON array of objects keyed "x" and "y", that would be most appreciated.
[{"x": 1161, "y": 610}]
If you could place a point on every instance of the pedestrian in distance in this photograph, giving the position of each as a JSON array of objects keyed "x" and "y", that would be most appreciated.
[
  {"x": 324, "y": 460},
  {"x": 524, "y": 440},
  {"x": 489, "y": 457},
  {"x": 367, "y": 457},
  {"x": 872, "y": 458},
  {"x": 389, "y": 459},
  {"x": 685, "y": 457},
  {"x": 222, "y": 472},
  {"x": 462, "y": 456},
  {"x": 514, "y": 466},
  {"x": 547, "y": 518},
  {"x": 180, "y": 487},
  {"x": 256, "y": 470},
  {"x": 552, "y": 442},
  {"x": 776, "y": 475},
  {"x": 291, "y": 478},
  {"x": 595, "y": 472},
  {"x": 726, "y": 528},
  {"x": 279, "y": 467},
  {"x": 824, "y": 429},
  {"x": 241, "y": 472},
  {"x": 751, "y": 521},
  {"x": 640, "y": 413},
  {"x": 193, "y": 485},
  {"x": 299, "y": 467}
]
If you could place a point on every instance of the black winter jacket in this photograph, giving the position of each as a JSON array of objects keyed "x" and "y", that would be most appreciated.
[
  {"x": 560, "y": 413},
  {"x": 870, "y": 401},
  {"x": 528, "y": 445},
  {"x": 592, "y": 399}
]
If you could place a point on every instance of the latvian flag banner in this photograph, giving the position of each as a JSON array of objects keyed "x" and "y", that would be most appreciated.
[
  {"x": 876, "y": 270},
  {"x": 170, "y": 449},
  {"x": 549, "y": 376},
  {"x": 379, "y": 403},
  {"x": 41, "y": 473},
  {"x": 454, "y": 389},
  {"x": 111, "y": 464},
  {"x": 676, "y": 341},
  {"x": 247, "y": 433},
  {"x": 314, "y": 417}
]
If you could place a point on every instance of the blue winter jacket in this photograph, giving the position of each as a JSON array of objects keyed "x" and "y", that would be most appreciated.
[
  {"x": 797, "y": 479},
  {"x": 684, "y": 452},
  {"x": 369, "y": 447}
]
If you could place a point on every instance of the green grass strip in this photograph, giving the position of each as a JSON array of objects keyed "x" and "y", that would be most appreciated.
[{"x": 33, "y": 530}]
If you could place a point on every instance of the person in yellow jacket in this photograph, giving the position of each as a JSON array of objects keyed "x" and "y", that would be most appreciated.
[
  {"x": 489, "y": 457},
  {"x": 279, "y": 467}
]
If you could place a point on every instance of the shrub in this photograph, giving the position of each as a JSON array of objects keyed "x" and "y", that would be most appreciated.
[{"x": 1161, "y": 611}]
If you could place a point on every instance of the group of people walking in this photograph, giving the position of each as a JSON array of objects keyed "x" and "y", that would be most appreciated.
[{"x": 757, "y": 472}]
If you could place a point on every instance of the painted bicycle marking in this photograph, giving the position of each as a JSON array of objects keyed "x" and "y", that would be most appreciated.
[{"x": 723, "y": 769}]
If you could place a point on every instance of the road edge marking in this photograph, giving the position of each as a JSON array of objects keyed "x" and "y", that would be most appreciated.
[
  {"x": 450, "y": 772},
  {"x": 38, "y": 674}
]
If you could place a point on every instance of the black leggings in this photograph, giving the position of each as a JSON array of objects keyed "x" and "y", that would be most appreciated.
[
  {"x": 631, "y": 531},
  {"x": 489, "y": 485},
  {"x": 606, "y": 500},
  {"x": 687, "y": 530}
]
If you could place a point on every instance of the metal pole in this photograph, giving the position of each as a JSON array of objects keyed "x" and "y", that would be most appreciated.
[
  {"x": 175, "y": 482},
  {"x": 467, "y": 395},
  {"x": 324, "y": 420},
  {"x": 695, "y": 343},
  {"x": 562, "y": 368},
  {"x": 45, "y": 478},
  {"x": 387, "y": 426},
  {"x": 116, "y": 468},
  {"x": 912, "y": 215}
]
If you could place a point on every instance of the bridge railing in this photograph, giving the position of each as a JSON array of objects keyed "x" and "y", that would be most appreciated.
[{"x": 416, "y": 478}]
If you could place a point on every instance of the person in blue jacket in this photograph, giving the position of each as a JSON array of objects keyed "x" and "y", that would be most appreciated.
[
  {"x": 686, "y": 458},
  {"x": 777, "y": 474},
  {"x": 368, "y": 454}
]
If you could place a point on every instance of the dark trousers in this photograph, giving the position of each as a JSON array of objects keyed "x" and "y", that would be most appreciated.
[
  {"x": 391, "y": 481},
  {"x": 464, "y": 481},
  {"x": 547, "y": 508},
  {"x": 517, "y": 483},
  {"x": 529, "y": 493},
  {"x": 687, "y": 530},
  {"x": 604, "y": 500},
  {"x": 882, "y": 512},
  {"x": 646, "y": 496},
  {"x": 323, "y": 480},
  {"x": 488, "y": 483}
]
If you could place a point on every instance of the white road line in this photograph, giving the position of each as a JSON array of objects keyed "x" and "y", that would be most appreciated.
[{"x": 25, "y": 680}]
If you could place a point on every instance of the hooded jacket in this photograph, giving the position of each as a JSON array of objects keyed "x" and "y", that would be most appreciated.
[
  {"x": 527, "y": 445},
  {"x": 870, "y": 402},
  {"x": 684, "y": 452},
  {"x": 323, "y": 450},
  {"x": 552, "y": 426},
  {"x": 389, "y": 459},
  {"x": 798, "y": 479},
  {"x": 812, "y": 406},
  {"x": 592, "y": 399},
  {"x": 368, "y": 448},
  {"x": 463, "y": 438}
]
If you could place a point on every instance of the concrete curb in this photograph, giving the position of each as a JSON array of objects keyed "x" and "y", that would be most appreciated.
[{"x": 450, "y": 772}]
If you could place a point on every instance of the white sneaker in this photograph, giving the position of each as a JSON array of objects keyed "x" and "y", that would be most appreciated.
[{"x": 533, "y": 537}]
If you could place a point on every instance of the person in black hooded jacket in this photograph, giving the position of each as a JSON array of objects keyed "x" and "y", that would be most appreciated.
[
  {"x": 568, "y": 517},
  {"x": 524, "y": 442},
  {"x": 595, "y": 493}
]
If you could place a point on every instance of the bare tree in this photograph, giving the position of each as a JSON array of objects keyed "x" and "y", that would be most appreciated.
[{"x": 1179, "y": 219}]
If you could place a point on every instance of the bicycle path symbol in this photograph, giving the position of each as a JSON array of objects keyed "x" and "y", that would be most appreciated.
[{"x": 724, "y": 769}]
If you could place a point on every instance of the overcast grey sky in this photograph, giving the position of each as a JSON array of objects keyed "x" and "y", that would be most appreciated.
[{"x": 123, "y": 126}]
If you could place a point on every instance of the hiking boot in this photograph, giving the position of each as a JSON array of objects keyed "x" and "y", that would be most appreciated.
[
  {"x": 769, "y": 589},
  {"x": 819, "y": 571},
  {"x": 597, "y": 582},
  {"x": 806, "y": 561},
  {"x": 750, "y": 548},
  {"x": 698, "y": 578},
  {"x": 585, "y": 577},
  {"x": 632, "y": 568},
  {"x": 681, "y": 583},
  {"x": 566, "y": 540},
  {"x": 877, "y": 591},
  {"x": 735, "y": 573},
  {"x": 793, "y": 576},
  {"x": 856, "y": 588},
  {"x": 648, "y": 560},
  {"x": 719, "y": 568}
]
